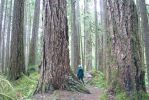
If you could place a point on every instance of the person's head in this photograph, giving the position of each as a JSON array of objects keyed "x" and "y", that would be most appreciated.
[{"x": 80, "y": 66}]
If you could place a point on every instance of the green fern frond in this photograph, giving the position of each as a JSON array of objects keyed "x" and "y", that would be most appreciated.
[{"x": 5, "y": 97}]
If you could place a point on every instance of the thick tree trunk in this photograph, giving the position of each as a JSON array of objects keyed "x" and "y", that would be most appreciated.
[
  {"x": 125, "y": 64},
  {"x": 32, "y": 52},
  {"x": 17, "y": 63},
  {"x": 55, "y": 68}
]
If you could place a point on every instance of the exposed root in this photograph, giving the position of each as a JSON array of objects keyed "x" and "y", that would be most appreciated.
[
  {"x": 71, "y": 85},
  {"x": 75, "y": 85}
]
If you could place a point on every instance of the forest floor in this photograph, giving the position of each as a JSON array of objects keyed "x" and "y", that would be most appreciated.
[
  {"x": 96, "y": 93},
  {"x": 67, "y": 95}
]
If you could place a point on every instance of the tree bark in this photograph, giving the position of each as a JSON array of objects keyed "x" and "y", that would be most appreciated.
[
  {"x": 17, "y": 62},
  {"x": 125, "y": 64},
  {"x": 55, "y": 68}
]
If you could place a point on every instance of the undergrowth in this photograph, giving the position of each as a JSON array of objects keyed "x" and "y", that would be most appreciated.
[
  {"x": 122, "y": 95},
  {"x": 6, "y": 89},
  {"x": 98, "y": 80},
  {"x": 26, "y": 85},
  {"x": 22, "y": 88}
]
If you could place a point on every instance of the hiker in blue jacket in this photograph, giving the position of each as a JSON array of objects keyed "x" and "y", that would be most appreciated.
[{"x": 80, "y": 73}]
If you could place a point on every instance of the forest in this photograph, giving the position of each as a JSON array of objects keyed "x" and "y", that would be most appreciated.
[{"x": 74, "y": 49}]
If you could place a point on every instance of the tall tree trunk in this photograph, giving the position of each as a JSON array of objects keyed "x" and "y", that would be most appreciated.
[
  {"x": 17, "y": 63},
  {"x": 88, "y": 39},
  {"x": 82, "y": 51},
  {"x": 1, "y": 15},
  {"x": 103, "y": 38},
  {"x": 3, "y": 36},
  {"x": 55, "y": 63},
  {"x": 8, "y": 35},
  {"x": 55, "y": 68},
  {"x": 126, "y": 66},
  {"x": 32, "y": 55},
  {"x": 1, "y": 23},
  {"x": 96, "y": 38},
  {"x": 75, "y": 43},
  {"x": 145, "y": 30},
  {"x": 78, "y": 24},
  {"x": 25, "y": 32}
]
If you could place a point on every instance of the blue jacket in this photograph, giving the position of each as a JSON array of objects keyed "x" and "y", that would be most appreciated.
[{"x": 80, "y": 72}]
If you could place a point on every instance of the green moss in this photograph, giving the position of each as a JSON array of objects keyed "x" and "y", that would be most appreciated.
[
  {"x": 25, "y": 86},
  {"x": 121, "y": 95},
  {"x": 6, "y": 89}
]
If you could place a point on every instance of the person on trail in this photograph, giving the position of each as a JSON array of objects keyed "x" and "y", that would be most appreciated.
[{"x": 80, "y": 73}]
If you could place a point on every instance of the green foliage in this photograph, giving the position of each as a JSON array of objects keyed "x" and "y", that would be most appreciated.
[
  {"x": 141, "y": 96},
  {"x": 121, "y": 96},
  {"x": 6, "y": 89},
  {"x": 22, "y": 88},
  {"x": 104, "y": 97},
  {"x": 98, "y": 80},
  {"x": 25, "y": 86},
  {"x": 144, "y": 96},
  {"x": 5, "y": 97}
]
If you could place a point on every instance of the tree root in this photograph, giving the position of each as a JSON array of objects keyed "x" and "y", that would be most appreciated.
[
  {"x": 75, "y": 85},
  {"x": 71, "y": 85}
]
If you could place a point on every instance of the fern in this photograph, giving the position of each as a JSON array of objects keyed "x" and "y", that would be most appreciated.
[
  {"x": 6, "y": 89},
  {"x": 5, "y": 97}
]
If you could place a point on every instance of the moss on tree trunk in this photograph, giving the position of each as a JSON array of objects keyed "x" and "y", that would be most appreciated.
[{"x": 126, "y": 66}]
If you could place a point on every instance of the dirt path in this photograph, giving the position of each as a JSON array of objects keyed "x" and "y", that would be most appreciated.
[{"x": 67, "y": 95}]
